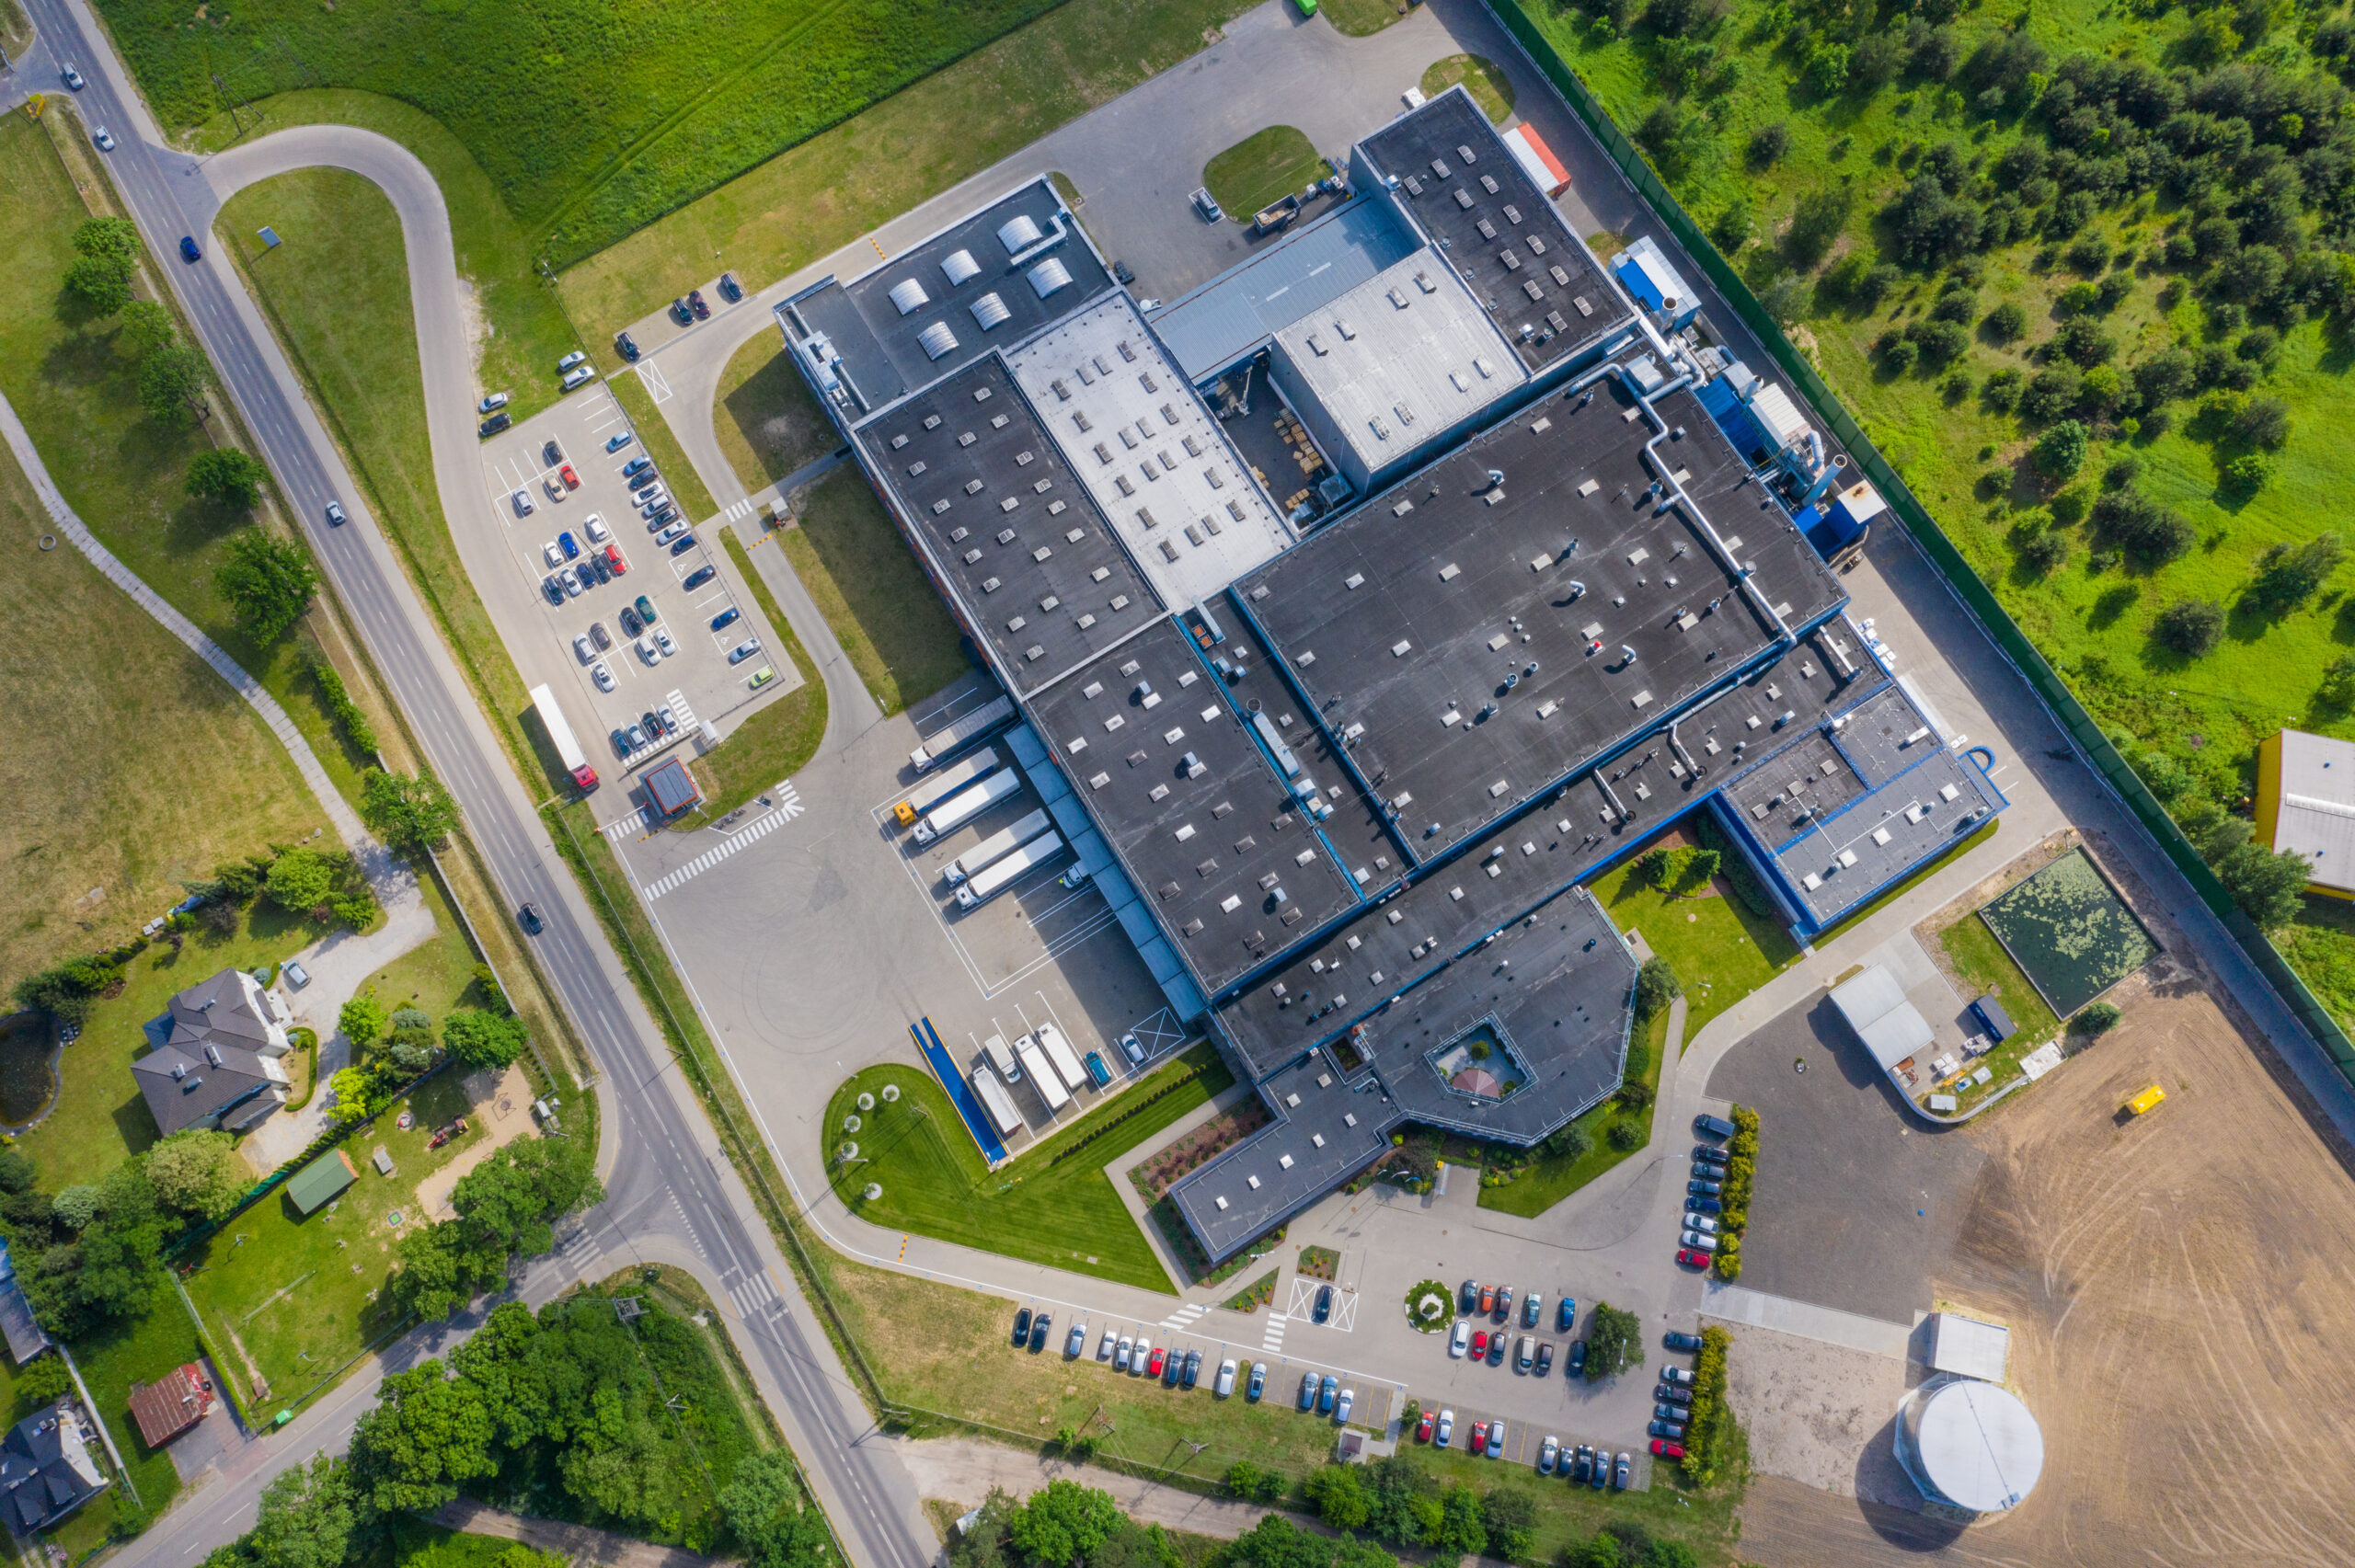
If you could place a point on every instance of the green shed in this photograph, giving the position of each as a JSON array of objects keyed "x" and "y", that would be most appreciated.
[{"x": 320, "y": 1180}]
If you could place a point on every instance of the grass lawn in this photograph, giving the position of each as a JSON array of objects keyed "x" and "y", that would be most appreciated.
[
  {"x": 1550, "y": 1178},
  {"x": 136, "y": 1350},
  {"x": 824, "y": 193},
  {"x": 767, "y": 422},
  {"x": 1261, "y": 169},
  {"x": 868, "y": 585},
  {"x": 1719, "y": 950},
  {"x": 774, "y": 744},
  {"x": 1357, "y": 19},
  {"x": 1482, "y": 77},
  {"x": 1984, "y": 965},
  {"x": 655, "y": 439},
  {"x": 404, "y": 1540},
  {"x": 1064, "y": 1214}
]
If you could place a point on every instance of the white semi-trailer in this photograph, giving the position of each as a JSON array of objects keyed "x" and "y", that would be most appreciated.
[
  {"x": 1042, "y": 1073},
  {"x": 1003, "y": 842},
  {"x": 996, "y": 878},
  {"x": 1000, "y": 1103},
  {"x": 967, "y": 804},
  {"x": 964, "y": 732},
  {"x": 1066, "y": 1060},
  {"x": 934, "y": 791}
]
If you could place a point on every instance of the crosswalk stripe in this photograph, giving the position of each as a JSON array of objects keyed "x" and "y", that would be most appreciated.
[{"x": 790, "y": 806}]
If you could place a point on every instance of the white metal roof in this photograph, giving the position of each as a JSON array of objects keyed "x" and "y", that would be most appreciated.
[
  {"x": 1969, "y": 1346},
  {"x": 908, "y": 295},
  {"x": 1875, "y": 1006},
  {"x": 958, "y": 267},
  {"x": 2315, "y": 812},
  {"x": 1150, "y": 454},
  {"x": 1401, "y": 358},
  {"x": 1978, "y": 1445}
]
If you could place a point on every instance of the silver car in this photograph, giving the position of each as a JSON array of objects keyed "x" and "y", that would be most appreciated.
[
  {"x": 1111, "y": 1335},
  {"x": 1120, "y": 1356},
  {"x": 744, "y": 650},
  {"x": 523, "y": 500},
  {"x": 581, "y": 649}
]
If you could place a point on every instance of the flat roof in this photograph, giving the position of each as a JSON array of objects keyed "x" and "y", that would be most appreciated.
[
  {"x": 1404, "y": 622},
  {"x": 1200, "y": 819},
  {"x": 1967, "y": 1345},
  {"x": 1326, "y": 1130},
  {"x": 1023, "y": 551},
  {"x": 1401, "y": 358},
  {"x": 1232, "y": 315},
  {"x": 670, "y": 787},
  {"x": 1460, "y": 183},
  {"x": 1157, "y": 464},
  {"x": 942, "y": 288},
  {"x": 2314, "y": 805}
]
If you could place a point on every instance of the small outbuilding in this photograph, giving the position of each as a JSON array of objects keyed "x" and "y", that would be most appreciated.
[
  {"x": 1969, "y": 1346},
  {"x": 2306, "y": 805},
  {"x": 320, "y": 1180},
  {"x": 670, "y": 787},
  {"x": 1892, "y": 1028},
  {"x": 1994, "y": 1019},
  {"x": 171, "y": 1404}
]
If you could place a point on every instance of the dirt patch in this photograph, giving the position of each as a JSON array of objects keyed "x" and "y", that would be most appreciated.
[
  {"x": 1811, "y": 1410},
  {"x": 502, "y": 1104}
]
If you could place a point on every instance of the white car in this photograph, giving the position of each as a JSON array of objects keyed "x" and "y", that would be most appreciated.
[
  {"x": 662, "y": 640},
  {"x": 73, "y": 79},
  {"x": 672, "y": 531},
  {"x": 1698, "y": 1241},
  {"x": 596, "y": 529},
  {"x": 1104, "y": 1351},
  {"x": 581, "y": 646},
  {"x": 1496, "y": 1439},
  {"x": 1460, "y": 1340},
  {"x": 1140, "y": 1356},
  {"x": 1120, "y": 1356},
  {"x": 523, "y": 499},
  {"x": 491, "y": 403},
  {"x": 578, "y": 375},
  {"x": 1446, "y": 1433},
  {"x": 1548, "y": 1454},
  {"x": 1225, "y": 1384},
  {"x": 603, "y": 676},
  {"x": 566, "y": 363},
  {"x": 648, "y": 651},
  {"x": 1701, "y": 1222},
  {"x": 1341, "y": 1411},
  {"x": 105, "y": 138},
  {"x": 572, "y": 585},
  {"x": 744, "y": 650},
  {"x": 552, "y": 553}
]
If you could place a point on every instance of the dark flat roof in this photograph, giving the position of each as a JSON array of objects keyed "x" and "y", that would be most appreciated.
[
  {"x": 1326, "y": 1130},
  {"x": 1403, "y": 621},
  {"x": 1033, "y": 564},
  {"x": 1511, "y": 267},
  {"x": 1201, "y": 822},
  {"x": 669, "y": 785},
  {"x": 882, "y": 348}
]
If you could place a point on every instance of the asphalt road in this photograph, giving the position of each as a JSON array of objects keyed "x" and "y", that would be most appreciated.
[{"x": 672, "y": 1195}]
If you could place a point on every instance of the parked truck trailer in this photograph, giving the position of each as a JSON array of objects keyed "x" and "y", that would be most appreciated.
[
  {"x": 934, "y": 791},
  {"x": 967, "y": 804},
  {"x": 996, "y": 845},
  {"x": 1001, "y": 1056},
  {"x": 1001, "y": 1104},
  {"x": 1042, "y": 1073},
  {"x": 996, "y": 878},
  {"x": 1059, "y": 1052},
  {"x": 960, "y": 734}
]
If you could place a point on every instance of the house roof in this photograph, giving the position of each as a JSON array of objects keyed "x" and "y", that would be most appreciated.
[
  {"x": 23, "y": 1333},
  {"x": 46, "y": 1470},
  {"x": 230, "y": 1009},
  {"x": 322, "y": 1179},
  {"x": 188, "y": 1088},
  {"x": 171, "y": 1404}
]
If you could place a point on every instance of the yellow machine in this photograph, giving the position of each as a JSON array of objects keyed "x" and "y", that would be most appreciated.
[{"x": 2147, "y": 1100}]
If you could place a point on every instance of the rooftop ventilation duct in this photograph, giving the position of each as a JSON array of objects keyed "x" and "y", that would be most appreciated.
[
  {"x": 960, "y": 267},
  {"x": 989, "y": 310},
  {"x": 1049, "y": 276},
  {"x": 909, "y": 296},
  {"x": 938, "y": 340},
  {"x": 1018, "y": 232}
]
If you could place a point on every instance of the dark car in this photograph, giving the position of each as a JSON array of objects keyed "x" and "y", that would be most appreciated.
[
  {"x": 730, "y": 289},
  {"x": 1708, "y": 1170},
  {"x": 598, "y": 634},
  {"x": 646, "y": 610},
  {"x": 1671, "y": 1430},
  {"x": 553, "y": 591},
  {"x": 187, "y": 248},
  {"x": 681, "y": 314},
  {"x": 1471, "y": 1296},
  {"x": 1566, "y": 1312},
  {"x": 1583, "y": 1465},
  {"x": 644, "y": 478},
  {"x": 1668, "y": 1413},
  {"x": 1530, "y": 1308},
  {"x": 1676, "y": 1339},
  {"x": 1172, "y": 1370},
  {"x": 1504, "y": 1303},
  {"x": 1307, "y": 1391},
  {"x": 601, "y": 566},
  {"x": 681, "y": 545},
  {"x": 1703, "y": 1206},
  {"x": 1669, "y": 1393},
  {"x": 550, "y": 452},
  {"x": 621, "y": 743},
  {"x": 1545, "y": 1357},
  {"x": 695, "y": 304},
  {"x": 661, "y": 519},
  {"x": 1326, "y": 1393},
  {"x": 725, "y": 618},
  {"x": 625, "y": 346},
  {"x": 495, "y": 424},
  {"x": 1193, "y": 1369},
  {"x": 699, "y": 576},
  {"x": 1708, "y": 1126},
  {"x": 638, "y": 465},
  {"x": 654, "y": 728},
  {"x": 1699, "y": 1187},
  {"x": 1038, "y": 1326},
  {"x": 335, "y": 514},
  {"x": 1577, "y": 1369},
  {"x": 631, "y": 624},
  {"x": 1022, "y": 1327},
  {"x": 1710, "y": 1151},
  {"x": 1496, "y": 1350},
  {"x": 1324, "y": 1307},
  {"x": 529, "y": 915}
]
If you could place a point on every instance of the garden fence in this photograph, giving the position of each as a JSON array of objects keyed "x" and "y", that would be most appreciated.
[{"x": 1961, "y": 577}]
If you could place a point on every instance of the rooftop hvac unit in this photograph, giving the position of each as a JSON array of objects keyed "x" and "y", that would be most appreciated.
[
  {"x": 1049, "y": 276},
  {"x": 989, "y": 310},
  {"x": 938, "y": 340},
  {"x": 909, "y": 295},
  {"x": 1018, "y": 232},
  {"x": 959, "y": 266}
]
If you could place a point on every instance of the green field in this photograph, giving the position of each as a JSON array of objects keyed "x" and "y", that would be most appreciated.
[
  {"x": 1482, "y": 77},
  {"x": 882, "y": 608},
  {"x": 592, "y": 120},
  {"x": 1357, "y": 19},
  {"x": 655, "y": 439},
  {"x": 1064, "y": 1214},
  {"x": 1719, "y": 950},
  {"x": 1263, "y": 168},
  {"x": 777, "y": 741},
  {"x": 767, "y": 422}
]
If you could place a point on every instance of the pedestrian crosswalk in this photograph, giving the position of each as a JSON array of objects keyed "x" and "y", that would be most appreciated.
[
  {"x": 1183, "y": 1316},
  {"x": 1274, "y": 1341},
  {"x": 626, "y": 827},
  {"x": 751, "y": 1294},
  {"x": 789, "y": 806},
  {"x": 739, "y": 510},
  {"x": 681, "y": 713}
]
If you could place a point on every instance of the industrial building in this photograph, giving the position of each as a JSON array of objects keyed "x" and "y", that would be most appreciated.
[
  {"x": 2305, "y": 806},
  {"x": 1343, "y": 749},
  {"x": 1968, "y": 1443}
]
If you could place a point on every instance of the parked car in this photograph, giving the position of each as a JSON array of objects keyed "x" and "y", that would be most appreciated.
[
  {"x": 1423, "y": 1427},
  {"x": 695, "y": 304},
  {"x": 648, "y": 651},
  {"x": 631, "y": 624},
  {"x": 1624, "y": 1472},
  {"x": 1446, "y": 1432},
  {"x": 1708, "y": 1170},
  {"x": 1223, "y": 1386},
  {"x": 551, "y": 553},
  {"x": 521, "y": 501},
  {"x": 1711, "y": 1152},
  {"x": 1681, "y": 1375},
  {"x": 1677, "y": 1339},
  {"x": 1583, "y": 1462},
  {"x": 1207, "y": 205},
  {"x": 1670, "y": 1394},
  {"x": 1039, "y": 1325},
  {"x": 662, "y": 640},
  {"x": 529, "y": 916},
  {"x": 646, "y": 610},
  {"x": 1104, "y": 1346},
  {"x": 681, "y": 314},
  {"x": 579, "y": 376},
  {"x": 725, "y": 618},
  {"x": 1326, "y": 1393},
  {"x": 1545, "y": 1357},
  {"x": 1324, "y": 1307},
  {"x": 1496, "y": 1350},
  {"x": 655, "y": 730},
  {"x": 1708, "y": 1126},
  {"x": 1664, "y": 1450},
  {"x": 598, "y": 634},
  {"x": 1479, "y": 1444},
  {"x": 1139, "y": 1355},
  {"x": 1699, "y": 1241},
  {"x": 1664, "y": 1411},
  {"x": 552, "y": 590},
  {"x": 625, "y": 346},
  {"x": 1488, "y": 1299},
  {"x": 1702, "y": 1188},
  {"x": 493, "y": 425},
  {"x": 571, "y": 480},
  {"x": 1132, "y": 1049},
  {"x": 604, "y": 677},
  {"x": 1577, "y": 1366},
  {"x": 1496, "y": 1439},
  {"x": 569, "y": 545},
  {"x": 571, "y": 584},
  {"x": 1458, "y": 1341},
  {"x": 730, "y": 289},
  {"x": 673, "y": 532},
  {"x": 1549, "y": 1453},
  {"x": 1120, "y": 1353},
  {"x": 1529, "y": 1309},
  {"x": 1566, "y": 1314},
  {"x": 1703, "y": 1206},
  {"x": 1193, "y": 1369},
  {"x": 1701, "y": 1222},
  {"x": 744, "y": 650},
  {"x": 187, "y": 248},
  {"x": 1671, "y": 1430},
  {"x": 1479, "y": 1344},
  {"x": 1021, "y": 1326},
  {"x": 1691, "y": 1258},
  {"x": 1307, "y": 1391},
  {"x": 594, "y": 525},
  {"x": 555, "y": 488},
  {"x": 1504, "y": 1303},
  {"x": 566, "y": 363},
  {"x": 614, "y": 444},
  {"x": 682, "y": 545},
  {"x": 1160, "y": 1359},
  {"x": 581, "y": 648},
  {"x": 491, "y": 403},
  {"x": 699, "y": 576},
  {"x": 1470, "y": 1295},
  {"x": 615, "y": 559},
  {"x": 1601, "y": 1468},
  {"x": 1258, "y": 1383},
  {"x": 1348, "y": 1401},
  {"x": 73, "y": 78}
]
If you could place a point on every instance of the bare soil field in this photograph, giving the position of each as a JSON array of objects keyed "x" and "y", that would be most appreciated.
[{"x": 2181, "y": 1295}]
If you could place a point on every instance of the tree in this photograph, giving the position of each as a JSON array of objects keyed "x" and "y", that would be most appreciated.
[
  {"x": 2153, "y": 534},
  {"x": 2262, "y": 422},
  {"x": 147, "y": 327},
  {"x": 2338, "y": 689},
  {"x": 1614, "y": 1343},
  {"x": 2005, "y": 323},
  {"x": 76, "y": 1205},
  {"x": 112, "y": 239},
  {"x": 1341, "y": 1501},
  {"x": 101, "y": 283},
  {"x": 42, "y": 1384},
  {"x": 1816, "y": 222},
  {"x": 412, "y": 815},
  {"x": 227, "y": 476},
  {"x": 355, "y": 1097},
  {"x": 1653, "y": 867},
  {"x": 2094, "y": 1018},
  {"x": 1460, "y": 1530},
  {"x": 764, "y": 1510},
  {"x": 2061, "y": 451},
  {"x": 172, "y": 378},
  {"x": 1570, "y": 1141},
  {"x": 412, "y": 1025},
  {"x": 440, "y": 1274},
  {"x": 307, "y": 1518},
  {"x": 482, "y": 1039},
  {"x": 2264, "y": 884},
  {"x": 2189, "y": 626},
  {"x": 1767, "y": 144},
  {"x": 110, "y": 1271},
  {"x": 1510, "y": 1518},
  {"x": 509, "y": 1199},
  {"x": 1656, "y": 987},
  {"x": 199, "y": 1173},
  {"x": 1064, "y": 1524},
  {"x": 268, "y": 581},
  {"x": 363, "y": 1020},
  {"x": 429, "y": 1436},
  {"x": 1701, "y": 867},
  {"x": 2287, "y": 576},
  {"x": 1635, "y": 1094}
]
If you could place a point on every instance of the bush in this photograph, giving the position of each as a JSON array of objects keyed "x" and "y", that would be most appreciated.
[
  {"x": 299, "y": 881},
  {"x": 1733, "y": 229},
  {"x": 2045, "y": 551},
  {"x": 2338, "y": 689},
  {"x": 1656, "y": 987},
  {"x": 2120, "y": 474},
  {"x": 1635, "y": 1094},
  {"x": 357, "y": 731},
  {"x": 2061, "y": 451},
  {"x": 1941, "y": 341},
  {"x": 2141, "y": 526},
  {"x": 1624, "y": 1137},
  {"x": 2084, "y": 343},
  {"x": 363, "y": 1020},
  {"x": 1767, "y": 145},
  {"x": 2094, "y": 1018},
  {"x": 1816, "y": 223},
  {"x": 2001, "y": 391},
  {"x": 2051, "y": 394},
  {"x": 2262, "y": 422},
  {"x": 2189, "y": 626},
  {"x": 268, "y": 581},
  {"x": 2288, "y": 576},
  {"x": 1957, "y": 305},
  {"x": 227, "y": 476},
  {"x": 1899, "y": 356}
]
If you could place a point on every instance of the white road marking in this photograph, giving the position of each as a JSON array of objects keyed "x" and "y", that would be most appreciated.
[
  {"x": 789, "y": 806},
  {"x": 651, "y": 377}
]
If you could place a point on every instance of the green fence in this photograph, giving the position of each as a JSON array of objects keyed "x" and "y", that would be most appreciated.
[{"x": 1960, "y": 575}]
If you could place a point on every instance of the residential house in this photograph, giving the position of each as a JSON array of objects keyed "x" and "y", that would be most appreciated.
[
  {"x": 46, "y": 1468},
  {"x": 215, "y": 1062}
]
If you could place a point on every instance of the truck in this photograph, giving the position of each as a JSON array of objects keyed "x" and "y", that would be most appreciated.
[
  {"x": 966, "y": 804},
  {"x": 997, "y": 878},
  {"x": 960, "y": 734},
  {"x": 584, "y": 777},
  {"x": 1042, "y": 1076},
  {"x": 1000, "y": 1103},
  {"x": 1002, "y": 1057},
  {"x": 1538, "y": 160},
  {"x": 1275, "y": 215},
  {"x": 938, "y": 790},
  {"x": 1059, "y": 1052},
  {"x": 996, "y": 845}
]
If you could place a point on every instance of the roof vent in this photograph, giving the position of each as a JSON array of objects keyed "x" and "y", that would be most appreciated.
[
  {"x": 938, "y": 340},
  {"x": 179, "y": 1070},
  {"x": 909, "y": 296},
  {"x": 1049, "y": 276},
  {"x": 989, "y": 310},
  {"x": 213, "y": 1054},
  {"x": 1020, "y": 231},
  {"x": 959, "y": 266}
]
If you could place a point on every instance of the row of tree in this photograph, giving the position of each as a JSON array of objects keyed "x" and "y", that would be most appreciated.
[{"x": 90, "y": 1252}]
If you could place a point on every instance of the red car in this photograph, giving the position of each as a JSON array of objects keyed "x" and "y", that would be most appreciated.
[
  {"x": 1160, "y": 1359},
  {"x": 1692, "y": 1257},
  {"x": 1479, "y": 1344},
  {"x": 1664, "y": 1450},
  {"x": 1480, "y": 1438},
  {"x": 1423, "y": 1432},
  {"x": 571, "y": 480},
  {"x": 613, "y": 559},
  {"x": 1488, "y": 1299}
]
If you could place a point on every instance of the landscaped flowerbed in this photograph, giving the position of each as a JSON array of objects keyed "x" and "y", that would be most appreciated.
[
  {"x": 1318, "y": 1263},
  {"x": 1431, "y": 1307},
  {"x": 1254, "y": 1296},
  {"x": 1169, "y": 1166}
]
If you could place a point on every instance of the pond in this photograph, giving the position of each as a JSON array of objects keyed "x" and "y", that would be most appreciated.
[{"x": 27, "y": 1071}]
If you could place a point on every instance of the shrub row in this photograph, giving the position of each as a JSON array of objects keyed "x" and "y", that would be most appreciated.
[
  {"x": 1739, "y": 1173},
  {"x": 358, "y": 733},
  {"x": 1709, "y": 1415},
  {"x": 1130, "y": 1115}
]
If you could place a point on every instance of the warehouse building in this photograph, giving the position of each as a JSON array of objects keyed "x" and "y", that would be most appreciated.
[
  {"x": 2305, "y": 806},
  {"x": 1343, "y": 770}
]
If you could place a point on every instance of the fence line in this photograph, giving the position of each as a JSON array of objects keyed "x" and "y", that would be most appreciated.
[{"x": 1961, "y": 577}]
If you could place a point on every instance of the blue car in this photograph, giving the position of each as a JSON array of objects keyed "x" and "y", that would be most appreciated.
[
  {"x": 1677, "y": 1340},
  {"x": 564, "y": 542},
  {"x": 1326, "y": 1393},
  {"x": 620, "y": 441},
  {"x": 685, "y": 542},
  {"x": 1577, "y": 1359},
  {"x": 637, "y": 465},
  {"x": 725, "y": 617},
  {"x": 1698, "y": 1188},
  {"x": 1098, "y": 1072},
  {"x": 699, "y": 576},
  {"x": 1258, "y": 1383},
  {"x": 1308, "y": 1391},
  {"x": 187, "y": 248},
  {"x": 1566, "y": 1312},
  {"x": 1703, "y": 1206}
]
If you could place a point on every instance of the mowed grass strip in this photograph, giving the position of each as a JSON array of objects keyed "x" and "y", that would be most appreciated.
[
  {"x": 777, "y": 741},
  {"x": 825, "y": 192},
  {"x": 1482, "y": 77},
  {"x": 654, "y": 437},
  {"x": 1263, "y": 168},
  {"x": 1066, "y": 1215},
  {"x": 882, "y": 608},
  {"x": 1719, "y": 950},
  {"x": 767, "y": 422}
]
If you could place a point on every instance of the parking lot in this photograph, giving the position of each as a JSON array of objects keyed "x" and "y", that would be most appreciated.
[{"x": 557, "y": 487}]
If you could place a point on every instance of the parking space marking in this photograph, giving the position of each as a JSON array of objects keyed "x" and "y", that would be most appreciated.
[
  {"x": 789, "y": 806},
  {"x": 651, "y": 377}
]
